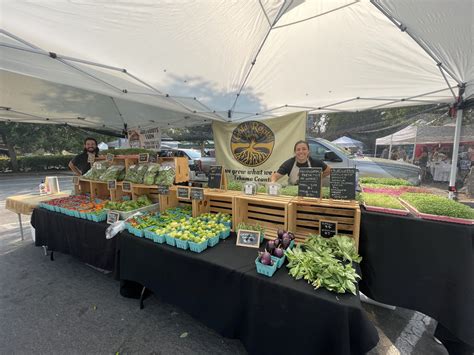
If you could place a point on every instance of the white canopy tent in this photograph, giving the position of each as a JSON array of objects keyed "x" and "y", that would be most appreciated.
[
  {"x": 348, "y": 142},
  {"x": 419, "y": 134},
  {"x": 188, "y": 62}
]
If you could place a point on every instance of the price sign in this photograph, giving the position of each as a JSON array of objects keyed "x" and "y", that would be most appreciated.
[
  {"x": 215, "y": 177},
  {"x": 248, "y": 238},
  {"x": 127, "y": 186},
  {"x": 75, "y": 180},
  {"x": 112, "y": 217},
  {"x": 112, "y": 184},
  {"x": 109, "y": 157},
  {"x": 309, "y": 183},
  {"x": 183, "y": 193},
  {"x": 197, "y": 193},
  {"x": 163, "y": 190},
  {"x": 250, "y": 189},
  {"x": 273, "y": 189},
  {"x": 327, "y": 229},
  {"x": 342, "y": 184},
  {"x": 143, "y": 157}
]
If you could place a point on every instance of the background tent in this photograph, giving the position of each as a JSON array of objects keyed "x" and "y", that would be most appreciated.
[
  {"x": 191, "y": 61},
  {"x": 348, "y": 142},
  {"x": 426, "y": 135}
]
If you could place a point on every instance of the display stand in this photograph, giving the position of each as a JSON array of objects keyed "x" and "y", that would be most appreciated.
[
  {"x": 265, "y": 210},
  {"x": 216, "y": 201},
  {"x": 304, "y": 215}
]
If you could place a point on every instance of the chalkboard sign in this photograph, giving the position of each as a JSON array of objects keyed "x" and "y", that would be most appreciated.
[
  {"x": 342, "y": 184},
  {"x": 163, "y": 190},
  {"x": 215, "y": 177},
  {"x": 309, "y": 182},
  {"x": 197, "y": 193},
  {"x": 327, "y": 229},
  {"x": 143, "y": 157},
  {"x": 183, "y": 193},
  {"x": 112, "y": 184},
  {"x": 248, "y": 238},
  {"x": 112, "y": 217},
  {"x": 127, "y": 186},
  {"x": 109, "y": 157}
]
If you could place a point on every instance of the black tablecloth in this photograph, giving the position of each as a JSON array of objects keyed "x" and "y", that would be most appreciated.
[
  {"x": 80, "y": 238},
  {"x": 422, "y": 265},
  {"x": 221, "y": 288}
]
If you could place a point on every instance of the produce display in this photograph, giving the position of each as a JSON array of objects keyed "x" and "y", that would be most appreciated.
[
  {"x": 325, "y": 262},
  {"x": 136, "y": 173},
  {"x": 97, "y": 170},
  {"x": 392, "y": 189},
  {"x": 384, "y": 181},
  {"x": 151, "y": 174},
  {"x": 165, "y": 176},
  {"x": 381, "y": 200},
  {"x": 130, "y": 205},
  {"x": 252, "y": 227},
  {"x": 114, "y": 172},
  {"x": 80, "y": 206},
  {"x": 277, "y": 247},
  {"x": 438, "y": 205}
]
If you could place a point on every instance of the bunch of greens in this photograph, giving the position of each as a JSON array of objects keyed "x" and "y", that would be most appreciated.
[
  {"x": 325, "y": 263},
  {"x": 384, "y": 181},
  {"x": 381, "y": 200},
  {"x": 115, "y": 172},
  {"x": 127, "y": 206},
  {"x": 97, "y": 169},
  {"x": 136, "y": 173},
  {"x": 438, "y": 205},
  {"x": 290, "y": 190},
  {"x": 151, "y": 173},
  {"x": 165, "y": 176},
  {"x": 234, "y": 185}
]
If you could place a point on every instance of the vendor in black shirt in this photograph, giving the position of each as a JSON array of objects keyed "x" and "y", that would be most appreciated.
[
  {"x": 292, "y": 166},
  {"x": 81, "y": 163}
]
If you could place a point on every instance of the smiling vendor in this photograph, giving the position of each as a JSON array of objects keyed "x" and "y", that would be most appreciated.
[{"x": 292, "y": 166}]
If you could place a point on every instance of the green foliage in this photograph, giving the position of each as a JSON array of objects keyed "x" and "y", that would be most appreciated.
[
  {"x": 384, "y": 181},
  {"x": 325, "y": 263},
  {"x": 251, "y": 227},
  {"x": 30, "y": 138},
  {"x": 438, "y": 205},
  {"x": 381, "y": 200},
  {"x": 37, "y": 163}
]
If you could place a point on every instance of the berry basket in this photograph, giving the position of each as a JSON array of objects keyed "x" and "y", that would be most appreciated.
[
  {"x": 198, "y": 247},
  {"x": 279, "y": 261},
  {"x": 181, "y": 244},
  {"x": 267, "y": 270},
  {"x": 213, "y": 241},
  {"x": 225, "y": 234},
  {"x": 170, "y": 240}
]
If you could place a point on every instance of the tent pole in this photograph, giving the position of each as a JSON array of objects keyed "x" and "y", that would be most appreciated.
[
  {"x": 454, "y": 160},
  {"x": 390, "y": 147},
  {"x": 375, "y": 153},
  {"x": 414, "y": 146}
]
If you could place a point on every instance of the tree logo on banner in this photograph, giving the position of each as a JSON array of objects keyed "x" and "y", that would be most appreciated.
[{"x": 252, "y": 143}]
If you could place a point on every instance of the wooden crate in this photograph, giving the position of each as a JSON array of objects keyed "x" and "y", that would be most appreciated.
[
  {"x": 268, "y": 211},
  {"x": 216, "y": 201},
  {"x": 304, "y": 216},
  {"x": 84, "y": 187}
]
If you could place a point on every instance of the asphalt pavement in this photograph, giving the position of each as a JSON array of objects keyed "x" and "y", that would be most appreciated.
[{"x": 67, "y": 307}]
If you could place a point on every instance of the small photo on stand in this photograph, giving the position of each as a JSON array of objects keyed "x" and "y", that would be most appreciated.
[{"x": 248, "y": 238}]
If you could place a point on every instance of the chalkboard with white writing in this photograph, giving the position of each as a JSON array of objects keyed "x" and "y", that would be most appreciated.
[
  {"x": 309, "y": 183},
  {"x": 342, "y": 184}
]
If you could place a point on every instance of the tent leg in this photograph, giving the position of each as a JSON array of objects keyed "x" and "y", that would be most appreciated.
[
  {"x": 375, "y": 153},
  {"x": 454, "y": 160}
]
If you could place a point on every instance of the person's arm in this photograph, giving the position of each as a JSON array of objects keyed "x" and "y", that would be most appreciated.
[
  {"x": 276, "y": 176},
  {"x": 283, "y": 170},
  {"x": 74, "y": 168},
  {"x": 327, "y": 171}
]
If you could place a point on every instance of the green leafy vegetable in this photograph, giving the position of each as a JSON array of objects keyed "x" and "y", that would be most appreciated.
[
  {"x": 325, "y": 263},
  {"x": 438, "y": 205},
  {"x": 384, "y": 181},
  {"x": 380, "y": 200}
]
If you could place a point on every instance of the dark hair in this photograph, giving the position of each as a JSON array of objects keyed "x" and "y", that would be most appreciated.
[
  {"x": 299, "y": 142},
  {"x": 90, "y": 139}
]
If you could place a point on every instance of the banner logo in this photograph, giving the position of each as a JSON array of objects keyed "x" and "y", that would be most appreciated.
[{"x": 252, "y": 143}]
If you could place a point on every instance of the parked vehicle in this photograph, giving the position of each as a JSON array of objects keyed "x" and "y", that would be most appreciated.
[
  {"x": 192, "y": 155},
  {"x": 337, "y": 157},
  {"x": 205, "y": 162}
]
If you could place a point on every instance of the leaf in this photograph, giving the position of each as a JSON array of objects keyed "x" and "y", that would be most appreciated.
[{"x": 184, "y": 335}]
